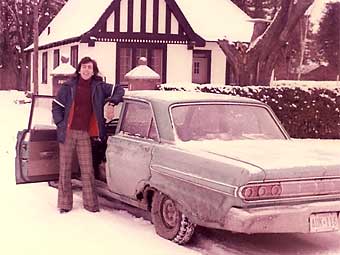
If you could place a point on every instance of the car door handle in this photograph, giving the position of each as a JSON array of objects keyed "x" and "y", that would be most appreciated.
[{"x": 47, "y": 154}]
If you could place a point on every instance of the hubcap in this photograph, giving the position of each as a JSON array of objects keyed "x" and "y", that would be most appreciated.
[{"x": 169, "y": 213}]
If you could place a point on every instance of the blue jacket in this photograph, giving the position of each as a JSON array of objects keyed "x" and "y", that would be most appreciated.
[{"x": 63, "y": 105}]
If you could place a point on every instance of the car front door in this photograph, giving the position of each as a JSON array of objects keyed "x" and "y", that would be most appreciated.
[
  {"x": 129, "y": 152},
  {"x": 37, "y": 149}
]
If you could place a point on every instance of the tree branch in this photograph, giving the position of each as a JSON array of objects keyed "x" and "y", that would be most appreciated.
[{"x": 278, "y": 32}]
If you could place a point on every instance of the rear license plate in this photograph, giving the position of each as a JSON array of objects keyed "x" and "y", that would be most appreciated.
[{"x": 323, "y": 222}]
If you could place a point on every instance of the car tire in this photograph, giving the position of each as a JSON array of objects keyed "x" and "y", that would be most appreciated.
[{"x": 169, "y": 222}]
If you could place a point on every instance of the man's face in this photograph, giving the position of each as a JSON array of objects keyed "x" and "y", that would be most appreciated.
[{"x": 86, "y": 70}]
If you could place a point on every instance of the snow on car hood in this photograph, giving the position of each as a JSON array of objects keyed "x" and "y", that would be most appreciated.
[{"x": 308, "y": 155}]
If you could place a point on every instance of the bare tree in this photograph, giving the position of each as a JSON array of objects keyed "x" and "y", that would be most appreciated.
[
  {"x": 253, "y": 63},
  {"x": 16, "y": 33}
]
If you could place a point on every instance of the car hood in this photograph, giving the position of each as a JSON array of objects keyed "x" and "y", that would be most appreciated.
[{"x": 279, "y": 159}]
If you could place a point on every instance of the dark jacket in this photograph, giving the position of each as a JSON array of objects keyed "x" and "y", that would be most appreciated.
[{"x": 62, "y": 106}]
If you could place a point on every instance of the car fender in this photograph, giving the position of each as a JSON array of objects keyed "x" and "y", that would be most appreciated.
[{"x": 205, "y": 188}]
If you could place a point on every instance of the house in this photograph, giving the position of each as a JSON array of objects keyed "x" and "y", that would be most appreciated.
[{"x": 178, "y": 38}]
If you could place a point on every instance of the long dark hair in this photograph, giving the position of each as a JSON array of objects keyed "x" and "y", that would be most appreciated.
[{"x": 86, "y": 60}]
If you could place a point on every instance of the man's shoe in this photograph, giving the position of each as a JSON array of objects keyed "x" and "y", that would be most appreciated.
[
  {"x": 93, "y": 210},
  {"x": 64, "y": 210}
]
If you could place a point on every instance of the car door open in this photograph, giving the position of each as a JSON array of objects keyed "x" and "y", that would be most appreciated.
[{"x": 37, "y": 149}]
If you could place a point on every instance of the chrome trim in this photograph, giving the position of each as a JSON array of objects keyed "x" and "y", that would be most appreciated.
[
  {"x": 295, "y": 179},
  {"x": 291, "y": 199},
  {"x": 196, "y": 177}
]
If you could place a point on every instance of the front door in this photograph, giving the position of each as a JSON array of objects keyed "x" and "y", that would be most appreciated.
[
  {"x": 201, "y": 67},
  {"x": 37, "y": 149}
]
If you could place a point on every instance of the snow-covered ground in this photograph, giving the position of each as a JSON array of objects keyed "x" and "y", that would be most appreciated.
[{"x": 31, "y": 224}]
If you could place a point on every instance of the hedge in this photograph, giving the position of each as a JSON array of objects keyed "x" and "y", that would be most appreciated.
[{"x": 304, "y": 112}]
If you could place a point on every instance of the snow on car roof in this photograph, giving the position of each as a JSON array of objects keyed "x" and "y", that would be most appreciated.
[{"x": 184, "y": 96}]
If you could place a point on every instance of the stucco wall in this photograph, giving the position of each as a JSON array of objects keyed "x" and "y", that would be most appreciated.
[
  {"x": 105, "y": 55},
  {"x": 179, "y": 64},
  {"x": 46, "y": 89}
]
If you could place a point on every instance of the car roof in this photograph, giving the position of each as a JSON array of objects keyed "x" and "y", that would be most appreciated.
[{"x": 172, "y": 97}]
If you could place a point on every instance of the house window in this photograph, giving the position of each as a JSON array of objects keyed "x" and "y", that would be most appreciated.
[
  {"x": 56, "y": 58},
  {"x": 129, "y": 54},
  {"x": 74, "y": 56},
  {"x": 44, "y": 68},
  {"x": 196, "y": 67},
  {"x": 157, "y": 61},
  {"x": 125, "y": 63}
]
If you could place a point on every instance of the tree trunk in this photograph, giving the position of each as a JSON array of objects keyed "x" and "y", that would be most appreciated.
[
  {"x": 35, "y": 48},
  {"x": 254, "y": 64}
]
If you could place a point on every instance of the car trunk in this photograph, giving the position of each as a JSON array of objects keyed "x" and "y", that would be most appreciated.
[{"x": 279, "y": 159}]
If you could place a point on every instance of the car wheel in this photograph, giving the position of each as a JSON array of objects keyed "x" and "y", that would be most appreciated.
[{"x": 169, "y": 222}]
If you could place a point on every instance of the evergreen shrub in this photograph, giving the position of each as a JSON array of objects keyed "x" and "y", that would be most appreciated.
[{"x": 304, "y": 112}]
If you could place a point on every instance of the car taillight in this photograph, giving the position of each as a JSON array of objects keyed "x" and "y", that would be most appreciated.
[
  {"x": 290, "y": 189},
  {"x": 264, "y": 191}
]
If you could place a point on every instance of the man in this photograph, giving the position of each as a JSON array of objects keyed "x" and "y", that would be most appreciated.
[{"x": 78, "y": 113}]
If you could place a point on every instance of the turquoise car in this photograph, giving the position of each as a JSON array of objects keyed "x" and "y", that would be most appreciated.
[{"x": 192, "y": 158}]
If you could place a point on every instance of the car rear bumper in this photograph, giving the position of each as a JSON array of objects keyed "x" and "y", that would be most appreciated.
[{"x": 279, "y": 219}]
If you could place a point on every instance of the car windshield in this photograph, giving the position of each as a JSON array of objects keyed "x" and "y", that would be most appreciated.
[{"x": 224, "y": 122}]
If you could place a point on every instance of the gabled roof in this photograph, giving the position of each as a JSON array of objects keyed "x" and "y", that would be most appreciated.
[{"x": 209, "y": 19}]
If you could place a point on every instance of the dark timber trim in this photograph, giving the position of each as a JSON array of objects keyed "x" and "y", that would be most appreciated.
[
  {"x": 143, "y": 16},
  {"x": 185, "y": 30},
  {"x": 106, "y": 36},
  {"x": 130, "y": 16},
  {"x": 171, "y": 7},
  {"x": 167, "y": 20},
  {"x": 101, "y": 23},
  {"x": 199, "y": 41},
  {"x": 56, "y": 44},
  {"x": 155, "y": 16},
  {"x": 117, "y": 19}
]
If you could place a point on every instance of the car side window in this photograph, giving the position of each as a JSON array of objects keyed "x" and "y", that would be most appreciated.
[
  {"x": 138, "y": 120},
  {"x": 41, "y": 117}
]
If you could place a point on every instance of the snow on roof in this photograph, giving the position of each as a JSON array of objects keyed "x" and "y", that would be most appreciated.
[
  {"x": 74, "y": 19},
  {"x": 63, "y": 68},
  {"x": 142, "y": 72},
  {"x": 217, "y": 19},
  {"x": 211, "y": 19}
]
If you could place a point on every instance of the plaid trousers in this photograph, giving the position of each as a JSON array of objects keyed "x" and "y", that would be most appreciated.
[{"x": 80, "y": 141}]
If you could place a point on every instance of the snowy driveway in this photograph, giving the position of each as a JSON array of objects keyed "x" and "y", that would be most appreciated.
[{"x": 31, "y": 224}]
